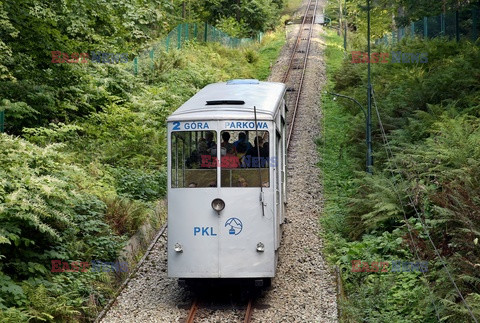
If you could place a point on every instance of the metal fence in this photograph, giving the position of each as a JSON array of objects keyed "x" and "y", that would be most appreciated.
[
  {"x": 455, "y": 25},
  {"x": 187, "y": 32}
]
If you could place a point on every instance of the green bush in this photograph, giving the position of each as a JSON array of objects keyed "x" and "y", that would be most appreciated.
[
  {"x": 430, "y": 113},
  {"x": 45, "y": 216}
]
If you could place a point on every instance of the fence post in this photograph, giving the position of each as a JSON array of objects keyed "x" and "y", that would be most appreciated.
[
  {"x": 186, "y": 31},
  {"x": 457, "y": 30},
  {"x": 205, "y": 36},
  {"x": 135, "y": 65},
  {"x": 179, "y": 36},
  {"x": 425, "y": 27},
  {"x": 151, "y": 58},
  {"x": 2, "y": 120},
  {"x": 474, "y": 22},
  {"x": 195, "y": 31},
  {"x": 412, "y": 27},
  {"x": 442, "y": 23}
]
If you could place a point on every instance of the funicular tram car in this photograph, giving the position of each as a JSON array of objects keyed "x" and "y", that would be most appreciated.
[{"x": 227, "y": 182}]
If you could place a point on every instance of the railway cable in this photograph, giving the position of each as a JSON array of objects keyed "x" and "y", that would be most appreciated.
[{"x": 417, "y": 213}]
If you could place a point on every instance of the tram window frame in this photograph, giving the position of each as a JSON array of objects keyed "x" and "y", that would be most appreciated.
[
  {"x": 236, "y": 173},
  {"x": 187, "y": 159}
]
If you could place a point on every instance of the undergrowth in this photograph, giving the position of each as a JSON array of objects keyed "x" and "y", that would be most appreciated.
[
  {"x": 76, "y": 189},
  {"x": 430, "y": 112}
]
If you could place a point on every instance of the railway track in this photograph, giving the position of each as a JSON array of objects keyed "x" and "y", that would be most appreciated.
[
  {"x": 194, "y": 307},
  {"x": 294, "y": 79},
  {"x": 297, "y": 65}
]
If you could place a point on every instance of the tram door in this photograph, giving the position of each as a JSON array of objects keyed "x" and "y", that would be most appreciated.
[
  {"x": 193, "y": 226},
  {"x": 278, "y": 188},
  {"x": 243, "y": 224}
]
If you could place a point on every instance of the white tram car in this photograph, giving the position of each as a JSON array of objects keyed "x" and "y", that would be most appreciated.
[{"x": 227, "y": 181}]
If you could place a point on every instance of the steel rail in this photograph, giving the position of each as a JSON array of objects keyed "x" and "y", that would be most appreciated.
[
  {"x": 249, "y": 311},
  {"x": 299, "y": 90},
  {"x": 193, "y": 310},
  {"x": 194, "y": 307},
  {"x": 297, "y": 41}
]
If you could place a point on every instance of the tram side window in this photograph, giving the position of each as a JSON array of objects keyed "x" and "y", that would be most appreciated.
[
  {"x": 194, "y": 159},
  {"x": 240, "y": 159}
]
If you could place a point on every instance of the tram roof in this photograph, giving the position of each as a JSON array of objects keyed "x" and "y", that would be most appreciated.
[{"x": 265, "y": 96}]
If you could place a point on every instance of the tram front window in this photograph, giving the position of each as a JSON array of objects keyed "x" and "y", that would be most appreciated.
[
  {"x": 194, "y": 159},
  {"x": 241, "y": 157}
]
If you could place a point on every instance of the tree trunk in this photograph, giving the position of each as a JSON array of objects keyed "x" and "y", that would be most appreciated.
[{"x": 238, "y": 10}]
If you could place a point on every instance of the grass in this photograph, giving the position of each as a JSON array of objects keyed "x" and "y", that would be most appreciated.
[
  {"x": 269, "y": 51},
  {"x": 336, "y": 163},
  {"x": 291, "y": 7}
]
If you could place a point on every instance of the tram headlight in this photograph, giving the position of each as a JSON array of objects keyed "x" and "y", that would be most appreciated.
[
  {"x": 178, "y": 247},
  {"x": 260, "y": 247},
  {"x": 218, "y": 205}
]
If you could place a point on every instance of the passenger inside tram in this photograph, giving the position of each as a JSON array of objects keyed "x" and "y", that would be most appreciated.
[
  {"x": 257, "y": 156},
  {"x": 229, "y": 147},
  {"x": 243, "y": 171},
  {"x": 242, "y": 138}
]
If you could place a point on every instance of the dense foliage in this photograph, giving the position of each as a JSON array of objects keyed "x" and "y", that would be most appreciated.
[
  {"x": 388, "y": 15},
  {"x": 242, "y": 18},
  {"x": 431, "y": 113},
  {"x": 83, "y": 160}
]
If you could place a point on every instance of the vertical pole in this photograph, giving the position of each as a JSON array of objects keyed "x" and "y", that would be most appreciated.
[
  {"x": 369, "y": 103},
  {"x": 2, "y": 120},
  {"x": 186, "y": 31},
  {"x": 205, "y": 36},
  {"x": 457, "y": 30},
  {"x": 425, "y": 27},
  {"x": 339, "y": 18},
  {"x": 195, "y": 31},
  {"x": 442, "y": 23},
  {"x": 346, "y": 24},
  {"x": 151, "y": 59},
  {"x": 474, "y": 24},
  {"x": 179, "y": 36},
  {"x": 135, "y": 65},
  {"x": 412, "y": 28}
]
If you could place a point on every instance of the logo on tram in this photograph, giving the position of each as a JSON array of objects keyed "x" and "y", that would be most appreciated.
[{"x": 235, "y": 225}]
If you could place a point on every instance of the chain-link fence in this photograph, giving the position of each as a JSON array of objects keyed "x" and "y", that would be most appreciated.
[
  {"x": 455, "y": 25},
  {"x": 177, "y": 38}
]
